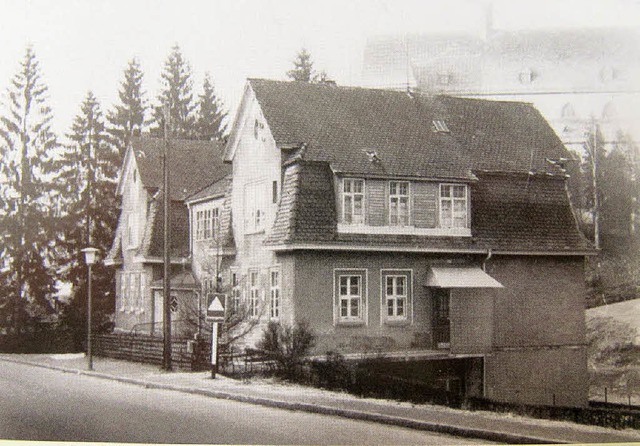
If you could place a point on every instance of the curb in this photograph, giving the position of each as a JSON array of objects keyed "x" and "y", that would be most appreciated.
[{"x": 459, "y": 431}]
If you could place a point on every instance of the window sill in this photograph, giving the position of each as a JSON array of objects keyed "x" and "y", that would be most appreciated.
[
  {"x": 252, "y": 232},
  {"x": 350, "y": 323},
  {"x": 397, "y": 322},
  {"x": 403, "y": 230}
]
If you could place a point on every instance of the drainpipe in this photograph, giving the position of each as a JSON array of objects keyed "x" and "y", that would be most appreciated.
[{"x": 484, "y": 262}]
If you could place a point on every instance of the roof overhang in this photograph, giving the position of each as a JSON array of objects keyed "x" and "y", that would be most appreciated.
[
  {"x": 417, "y": 249},
  {"x": 460, "y": 277}
]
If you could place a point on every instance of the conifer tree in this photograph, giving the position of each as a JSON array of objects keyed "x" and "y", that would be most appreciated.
[
  {"x": 27, "y": 149},
  {"x": 87, "y": 174},
  {"x": 127, "y": 118},
  {"x": 178, "y": 96},
  {"x": 302, "y": 67},
  {"x": 209, "y": 125}
]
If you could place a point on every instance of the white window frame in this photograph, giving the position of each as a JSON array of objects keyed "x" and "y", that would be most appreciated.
[
  {"x": 395, "y": 195},
  {"x": 348, "y": 209},
  {"x": 206, "y": 223},
  {"x": 407, "y": 317},
  {"x": 123, "y": 291},
  {"x": 362, "y": 296},
  {"x": 275, "y": 293},
  {"x": 133, "y": 298},
  {"x": 255, "y": 205},
  {"x": 452, "y": 200},
  {"x": 254, "y": 293},
  {"x": 236, "y": 291},
  {"x": 142, "y": 291},
  {"x": 132, "y": 230}
]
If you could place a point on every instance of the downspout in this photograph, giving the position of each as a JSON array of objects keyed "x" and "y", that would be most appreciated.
[{"x": 484, "y": 262}]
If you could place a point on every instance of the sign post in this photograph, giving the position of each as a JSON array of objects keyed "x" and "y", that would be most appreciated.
[{"x": 215, "y": 315}]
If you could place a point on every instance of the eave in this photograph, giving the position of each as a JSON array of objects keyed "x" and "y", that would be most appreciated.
[{"x": 415, "y": 249}]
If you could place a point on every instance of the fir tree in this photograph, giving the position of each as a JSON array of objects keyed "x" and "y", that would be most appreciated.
[
  {"x": 209, "y": 125},
  {"x": 302, "y": 67},
  {"x": 27, "y": 148},
  {"x": 177, "y": 95},
  {"x": 127, "y": 118},
  {"x": 87, "y": 175}
]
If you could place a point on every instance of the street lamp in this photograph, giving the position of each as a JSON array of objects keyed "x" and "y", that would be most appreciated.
[{"x": 90, "y": 259}]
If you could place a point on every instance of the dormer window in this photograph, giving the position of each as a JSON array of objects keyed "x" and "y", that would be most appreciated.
[
  {"x": 453, "y": 206},
  {"x": 399, "y": 203},
  {"x": 353, "y": 201},
  {"x": 440, "y": 126}
]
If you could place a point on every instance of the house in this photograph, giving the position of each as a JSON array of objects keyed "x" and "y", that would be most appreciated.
[
  {"x": 137, "y": 250},
  {"x": 429, "y": 228},
  {"x": 575, "y": 77}
]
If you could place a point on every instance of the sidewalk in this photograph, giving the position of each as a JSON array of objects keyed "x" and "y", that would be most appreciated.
[{"x": 503, "y": 428}]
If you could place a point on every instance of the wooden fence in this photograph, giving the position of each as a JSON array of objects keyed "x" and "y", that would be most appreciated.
[{"x": 186, "y": 354}]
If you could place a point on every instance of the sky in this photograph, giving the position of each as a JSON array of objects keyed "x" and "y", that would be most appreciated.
[{"x": 85, "y": 45}]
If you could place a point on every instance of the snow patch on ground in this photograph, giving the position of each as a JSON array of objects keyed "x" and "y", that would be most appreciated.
[{"x": 67, "y": 356}]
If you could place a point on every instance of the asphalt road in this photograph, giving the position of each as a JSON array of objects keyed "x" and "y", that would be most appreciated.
[{"x": 42, "y": 404}]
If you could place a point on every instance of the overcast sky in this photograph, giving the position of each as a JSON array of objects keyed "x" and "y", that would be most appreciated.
[{"x": 85, "y": 45}]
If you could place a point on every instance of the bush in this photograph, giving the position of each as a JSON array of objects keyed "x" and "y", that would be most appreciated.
[{"x": 287, "y": 346}]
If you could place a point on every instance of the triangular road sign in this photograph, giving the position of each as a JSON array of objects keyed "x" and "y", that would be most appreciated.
[{"x": 215, "y": 307}]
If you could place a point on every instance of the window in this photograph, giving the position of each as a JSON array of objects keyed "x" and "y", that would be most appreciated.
[
  {"x": 133, "y": 289},
  {"x": 123, "y": 291},
  {"x": 440, "y": 126},
  {"x": 208, "y": 286},
  {"x": 350, "y": 296},
  {"x": 399, "y": 203},
  {"x": 274, "y": 192},
  {"x": 143, "y": 290},
  {"x": 173, "y": 303},
  {"x": 235, "y": 292},
  {"x": 254, "y": 294},
  {"x": 274, "y": 293},
  {"x": 397, "y": 289},
  {"x": 206, "y": 223},
  {"x": 132, "y": 233},
  {"x": 526, "y": 76},
  {"x": 353, "y": 201},
  {"x": 254, "y": 205},
  {"x": 453, "y": 206}
]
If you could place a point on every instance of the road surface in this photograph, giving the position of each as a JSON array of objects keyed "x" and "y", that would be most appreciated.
[{"x": 42, "y": 404}]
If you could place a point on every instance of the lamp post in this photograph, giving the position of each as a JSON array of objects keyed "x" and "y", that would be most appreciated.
[{"x": 90, "y": 259}]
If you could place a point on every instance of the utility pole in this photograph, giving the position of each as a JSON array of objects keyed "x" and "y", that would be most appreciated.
[
  {"x": 166, "y": 320},
  {"x": 594, "y": 174}
]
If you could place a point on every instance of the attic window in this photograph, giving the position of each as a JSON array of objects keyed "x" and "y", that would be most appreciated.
[
  {"x": 440, "y": 126},
  {"x": 256, "y": 128}
]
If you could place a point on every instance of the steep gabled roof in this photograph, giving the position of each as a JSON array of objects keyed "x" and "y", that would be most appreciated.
[
  {"x": 344, "y": 126},
  {"x": 193, "y": 164}
]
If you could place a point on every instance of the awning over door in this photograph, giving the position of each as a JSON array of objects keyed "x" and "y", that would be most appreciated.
[{"x": 460, "y": 277}]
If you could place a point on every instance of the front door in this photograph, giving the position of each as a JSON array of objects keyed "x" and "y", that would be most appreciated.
[{"x": 440, "y": 321}]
